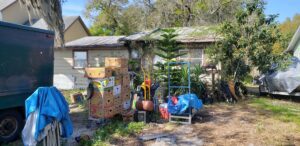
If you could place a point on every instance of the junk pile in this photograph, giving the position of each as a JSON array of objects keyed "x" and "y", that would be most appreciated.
[
  {"x": 287, "y": 80},
  {"x": 47, "y": 118},
  {"x": 109, "y": 89}
]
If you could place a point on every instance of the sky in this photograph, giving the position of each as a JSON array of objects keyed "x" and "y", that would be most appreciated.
[{"x": 285, "y": 8}]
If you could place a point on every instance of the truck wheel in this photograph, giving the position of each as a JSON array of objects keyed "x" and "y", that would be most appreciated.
[{"x": 11, "y": 124}]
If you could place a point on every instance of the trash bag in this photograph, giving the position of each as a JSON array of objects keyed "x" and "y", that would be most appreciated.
[{"x": 184, "y": 102}]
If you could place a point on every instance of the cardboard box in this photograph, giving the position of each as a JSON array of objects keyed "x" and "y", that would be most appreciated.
[
  {"x": 116, "y": 62},
  {"x": 126, "y": 79},
  {"x": 118, "y": 80},
  {"x": 98, "y": 72},
  {"x": 125, "y": 95},
  {"x": 106, "y": 82},
  {"x": 125, "y": 89},
  {"x": 107, "y": 92},
  {"x": 118, "y": 109},
  {"x": 117, "y": 90},
  {"x": 109, "y": 112},
  {"x": 95, "y": 111},
  {"x": 118, "y": 71},
  {"x": 108, "y": 102}
]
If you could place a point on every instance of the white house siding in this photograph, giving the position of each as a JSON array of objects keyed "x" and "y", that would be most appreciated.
[
  {"x": 66, "y": 77},
  {"x": 16, "y": 13},
  {"x": 96, "y": 57}
]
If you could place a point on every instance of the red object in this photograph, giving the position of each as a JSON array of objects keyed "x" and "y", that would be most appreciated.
[
  {"x": 174, "y": 100},
  {"x": 164, "y": 114},
  {"x": 148, "y": 82}
]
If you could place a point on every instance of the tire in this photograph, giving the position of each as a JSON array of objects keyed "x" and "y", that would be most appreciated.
[{"x": 11, "y": 125}]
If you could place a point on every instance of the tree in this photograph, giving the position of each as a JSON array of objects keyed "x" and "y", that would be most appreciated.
[
  {"x": 50, "y": 11},
  {"x": 115, "y": 17},
  {"x": 247, "y": 42},
  {"x": 168, "y": 50},
  {"x": 107, "y": 18},
  {"x": 168, "y": 47},
  {"x": 287, "y": 29}
]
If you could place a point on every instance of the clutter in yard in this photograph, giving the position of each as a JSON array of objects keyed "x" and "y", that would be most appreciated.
[
  {"x": 109, "y": 89},
  {"x": 181, "y": 108},
  {"x": 282, "y": 81},
  {"x": 76, "y": 97},
  {"x": 47, "y": 118}
]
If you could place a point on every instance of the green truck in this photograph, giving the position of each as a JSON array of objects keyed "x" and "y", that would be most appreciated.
[{"x": 26, "y": 63}]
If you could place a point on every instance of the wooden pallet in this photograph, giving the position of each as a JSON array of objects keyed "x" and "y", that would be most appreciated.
[{"x": 182, "y": 119}]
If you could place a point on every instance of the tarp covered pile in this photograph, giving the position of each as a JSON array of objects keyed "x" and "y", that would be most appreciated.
[{"x": 284, "y": 81}]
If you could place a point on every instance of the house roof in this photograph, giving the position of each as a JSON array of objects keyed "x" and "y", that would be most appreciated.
[
  {"x": 68, "y": 21},
  {"x": 295, "y": 40},
  {"x": 5, "y": 3},
  {"x": 185, "y": 34},
  {"x": 96, "y": 41}
]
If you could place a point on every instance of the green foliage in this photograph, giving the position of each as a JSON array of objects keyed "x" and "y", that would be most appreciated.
[
  {"x": 281, "y": 110},
  {"x": 104, "y": 134},
  {"x": 247, "y": 42},
  {"x": 168, "y": 50},
  {"x": 168, "y": 47},
  {"x": 122, "y": 17},
  {"x": 197, "y": 86}
]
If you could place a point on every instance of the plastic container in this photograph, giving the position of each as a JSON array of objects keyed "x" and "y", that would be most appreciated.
[{"x": 163, "y": 109}]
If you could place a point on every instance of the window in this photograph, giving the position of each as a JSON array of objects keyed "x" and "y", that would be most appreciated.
[
  {"x": 184, "y": 57},
  {"x": 195, "y": 56},
  {"x": 80, "y": 59}
]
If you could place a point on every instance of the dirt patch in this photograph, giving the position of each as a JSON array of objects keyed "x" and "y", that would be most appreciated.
[
  {"x": 218, "y": 124},
  {"x": 238, "y": 124}
]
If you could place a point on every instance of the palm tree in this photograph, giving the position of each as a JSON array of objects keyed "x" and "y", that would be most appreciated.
[{"x": 51, "y": 12}]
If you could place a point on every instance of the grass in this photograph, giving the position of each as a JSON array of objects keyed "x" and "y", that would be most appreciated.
[
  {"x": 282, "y": 110},
  {"x": 116, "y": 129}
]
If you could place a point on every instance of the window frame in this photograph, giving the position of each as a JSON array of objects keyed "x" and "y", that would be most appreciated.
[
  {"x": 189, "y": 58},
  {"x": 73, "y": 58}
]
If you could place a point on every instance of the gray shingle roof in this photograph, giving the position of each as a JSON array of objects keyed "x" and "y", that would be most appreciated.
[
  {"x": 6, "y": 3},
  {"x": 96, "y": 41},
  {"x": 68, "y": 20},
  {"x": 185, "y": 34}
]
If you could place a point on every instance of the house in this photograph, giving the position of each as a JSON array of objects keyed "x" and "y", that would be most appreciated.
[
  {"x": 194, "y": 40},
  {"x": 82, "y": 50},
  {"x": 68, "y": 73},
  {"x": 294, "y": 45},
  {"x": 88, "y": 51}
]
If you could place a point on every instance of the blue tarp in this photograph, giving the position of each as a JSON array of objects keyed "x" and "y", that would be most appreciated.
[
  {"x": 184, "y": 102},
  {"x": 50, "y": 105}
]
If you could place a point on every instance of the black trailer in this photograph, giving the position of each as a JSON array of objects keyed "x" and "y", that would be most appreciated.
[{"x": 26, "y": 63}]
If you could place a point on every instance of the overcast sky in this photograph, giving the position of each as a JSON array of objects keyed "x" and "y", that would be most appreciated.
[{"x": 285, "y": 8}]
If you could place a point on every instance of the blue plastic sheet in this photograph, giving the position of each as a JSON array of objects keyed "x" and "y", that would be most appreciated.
[
  {"x": 184, "y": 102},
  {"x": 50, "y": 105}
]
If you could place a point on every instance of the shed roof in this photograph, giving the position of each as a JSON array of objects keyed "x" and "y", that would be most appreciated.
[
  {"x": 185, "y": 34},
  {"x": 96, "y": 41}
]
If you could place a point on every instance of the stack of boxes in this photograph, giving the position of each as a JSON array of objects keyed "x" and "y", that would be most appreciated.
[{"x": 111, "y": 88}]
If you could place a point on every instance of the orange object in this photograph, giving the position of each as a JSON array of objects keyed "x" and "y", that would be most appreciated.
[{"x": 164, "y": 114}]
